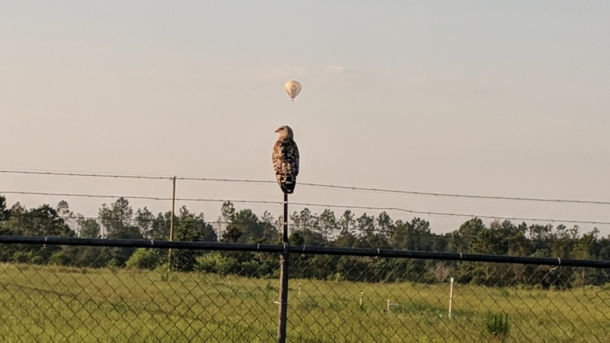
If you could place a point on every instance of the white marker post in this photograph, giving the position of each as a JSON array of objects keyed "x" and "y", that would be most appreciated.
[{"x": 450, "y": 296}]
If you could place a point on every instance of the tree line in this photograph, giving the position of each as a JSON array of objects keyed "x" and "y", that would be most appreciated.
[{"x": 119, "y": 220}]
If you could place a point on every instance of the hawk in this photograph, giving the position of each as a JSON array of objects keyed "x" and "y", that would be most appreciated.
[{"x": 286, "y": 159}]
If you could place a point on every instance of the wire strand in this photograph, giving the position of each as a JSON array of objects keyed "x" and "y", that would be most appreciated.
[
  {"x": 430, "y": 213},
  {"x": 310, "y": 184},
  {"x": 112, "y": 176}
]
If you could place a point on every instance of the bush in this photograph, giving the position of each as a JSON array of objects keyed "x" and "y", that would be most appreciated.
[
  {"x": 497, "y": 325},
  {"x": 143, "y": 259},
  {"x": 113, "y": 265},
  {"x": 22, "y": 257},
  {"x": 37, "y": 260},
  {"x": 218, "y": 263},
  {"x": 58, "y": 258}
]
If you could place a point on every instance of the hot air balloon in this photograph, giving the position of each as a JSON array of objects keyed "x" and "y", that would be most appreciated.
[{"x": 293, "y": 88}]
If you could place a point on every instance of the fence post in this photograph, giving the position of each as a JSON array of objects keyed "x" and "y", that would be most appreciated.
[
  {"x": 282, "y": 317},
  {"x": 450, "y": 296},
  {"x": 171, "y": 224}
]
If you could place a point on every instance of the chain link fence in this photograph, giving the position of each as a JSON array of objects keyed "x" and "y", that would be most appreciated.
[{"x": 215, "y": 292}]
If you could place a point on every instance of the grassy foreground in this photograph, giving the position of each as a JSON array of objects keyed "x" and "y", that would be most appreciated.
[{"x": 61, "y": 304}]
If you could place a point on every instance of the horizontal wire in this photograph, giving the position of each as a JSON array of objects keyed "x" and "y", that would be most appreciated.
[
  {"x": 98, "y": 196},
  {"x": 488, "y": 197},
  {"x": 310, "y": 184},
  {"x": 430, "y": 213},
  {"x": 113, "y": 176}
]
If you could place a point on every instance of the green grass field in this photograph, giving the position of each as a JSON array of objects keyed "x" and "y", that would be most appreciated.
[{"x": 61, "y": 304}]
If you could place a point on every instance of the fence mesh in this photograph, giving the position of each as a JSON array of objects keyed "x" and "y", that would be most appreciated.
[{"x": 229, "y": 296}]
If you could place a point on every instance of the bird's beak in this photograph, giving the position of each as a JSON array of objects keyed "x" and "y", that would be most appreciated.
[{"x": 276, "y": 131}]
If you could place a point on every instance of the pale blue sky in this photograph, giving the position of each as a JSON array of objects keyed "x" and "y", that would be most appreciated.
[{"x": 472, "y": 97}]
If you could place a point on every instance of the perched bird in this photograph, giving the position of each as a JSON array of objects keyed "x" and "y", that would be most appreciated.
[{"x": 286, "y": 159}]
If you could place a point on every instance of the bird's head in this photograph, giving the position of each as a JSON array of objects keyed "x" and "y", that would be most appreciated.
[{"x": 285, "y": 131}]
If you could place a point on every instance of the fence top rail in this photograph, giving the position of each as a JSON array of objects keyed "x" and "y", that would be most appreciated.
[
  {"x": 313, "y": 250},
  {"x": 138, "y": 243}
]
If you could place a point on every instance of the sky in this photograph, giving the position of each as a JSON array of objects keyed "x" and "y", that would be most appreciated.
[{"x": 504, "y": 99}]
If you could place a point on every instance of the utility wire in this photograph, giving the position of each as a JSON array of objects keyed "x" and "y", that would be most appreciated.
[
  {"x": 453, "y": 195},
  {"x": 309, "y": 184},
  {"x": 88, "y": 195},
  {"x": 113, "y": 176},
  {"x": 430, "y": 213}
]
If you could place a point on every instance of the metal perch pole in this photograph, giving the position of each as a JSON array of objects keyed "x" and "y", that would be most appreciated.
[{"x": 281, "y": 329}]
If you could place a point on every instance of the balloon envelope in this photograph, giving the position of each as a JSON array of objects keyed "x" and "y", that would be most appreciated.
[{"x": 293, "y": 88}]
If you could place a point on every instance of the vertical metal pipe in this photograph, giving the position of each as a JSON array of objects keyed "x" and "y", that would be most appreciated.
[
  {"x": 171, "y": 220},
  {"x": 171, "y": 224},
  {"x": 450, "y": 297},
  {"x": 282, "y": 317},
  {"x": 285, "y": 234}
]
